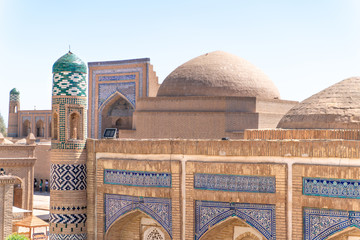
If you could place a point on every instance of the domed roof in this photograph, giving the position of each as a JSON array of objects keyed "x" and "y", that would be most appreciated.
[
  {"x": 14, "y": 91},
  {"x": 336, "y": 107},
  {"x": 218, "y": 74},
  {"x": 69, "y": 63}
]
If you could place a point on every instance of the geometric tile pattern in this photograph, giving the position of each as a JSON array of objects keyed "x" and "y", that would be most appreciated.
[
  {"x": 117, "y": 78},
  {"x": 68, "y": 177},
  {"x": 127, "y": 89},
  {"x": 157, "y": 208},
  {"x": 79, "y": 236},
  {"x": 68, "y": 208},
  {"x": 259, "y": 216},
  {"x": 340, "y": 188},
  {"x": 137, "y": 178},
  {"x": 67, "y": 218},
  {"x": 135, "y": 71},
  {"x": 69, "y": 84},
  {"x": 234, "y": 183},
  {"x": 321, "y": 223},
  {"x": 15, "y": 97}
]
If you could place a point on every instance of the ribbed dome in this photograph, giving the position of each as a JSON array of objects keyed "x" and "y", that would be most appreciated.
[
  {"x": 338, "y": 106},
  {"x": 69, "y": 63},
  {"x": 218, "y": 74}
]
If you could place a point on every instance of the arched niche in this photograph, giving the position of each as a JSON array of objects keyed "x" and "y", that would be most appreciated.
[
  {"x": 117, "y": 113},
  {"x": 54, "y": 131},
  {"x": 40, "y": 128},
  {"x": 232, "y": 228},
  {"x": 26, "y": 128},
  {"x": 18, "y": 193},
  {"x": 136, "y": 225},
  {"x": 75, "y": 130}
]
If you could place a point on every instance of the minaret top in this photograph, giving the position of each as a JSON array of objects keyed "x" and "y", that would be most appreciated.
[{"x": 69, "y": 63}]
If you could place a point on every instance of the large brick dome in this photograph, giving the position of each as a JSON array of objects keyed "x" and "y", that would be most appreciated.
[
  {"x": 218, "y": 74},
  {"x": 337, "y": 106}
]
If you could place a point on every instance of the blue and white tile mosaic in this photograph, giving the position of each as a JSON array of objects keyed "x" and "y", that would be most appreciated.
[
  {"x": 340, "y": 188},
  {"x": 69, "y": 84},
  {"x": 68, "y": 177},
  {"x": 137, "y": 178},
  {"x": 79, "y": 236},
  {"x": 319, "y": 224},
  {"x": 127, "y": 89},
  {"x": 235, "y": 183},
  {"x": 67, "y": 218},
  {"x": 259, "y": 216},
  {"x": 117, "y": 77},
  {"x": 157, "y": 208},
  {"x": 95, "y": 73}
]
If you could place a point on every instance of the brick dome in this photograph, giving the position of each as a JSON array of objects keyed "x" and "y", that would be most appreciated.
[
  {"x": 218, "y": 74},
  {"x": 338, "y": 106}
]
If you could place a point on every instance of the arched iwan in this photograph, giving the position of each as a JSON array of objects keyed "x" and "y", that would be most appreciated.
[
  {"x": 259, "y": 216},
  {"x": 157, "y": 208}
]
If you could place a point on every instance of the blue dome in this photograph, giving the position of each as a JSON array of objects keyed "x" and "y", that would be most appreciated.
[{"x": 69, "y": 63}]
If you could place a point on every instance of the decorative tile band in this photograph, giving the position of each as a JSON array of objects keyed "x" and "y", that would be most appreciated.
[
  {"x": 68, "y": 145},
  {"x": 117, "y": 78},
  {"x": 259, "y": 216},
  {"x": 69, "y": 84},
  {"x": 67, "y": 218},
  {"x": 137, "y": 178},
  {"x": 68, "y": 208},
  {"x": 319, "y": 224},
  {"x": 80, "y": 236},
  {"x": 157, "y": 208},
  {"x": 340, "y": 188},
  {"x": 235, "y": 183},
  {"x": 68, "y": 177}
]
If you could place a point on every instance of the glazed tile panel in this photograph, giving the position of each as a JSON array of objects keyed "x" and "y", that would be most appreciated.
[
  {"x": 137, "y": 178},
  {"x": 321, "y": 223},
  {"x": 157, "y": 208},
  {"x": 80, "y": 236},
  {"x": 67, "y": 177},
  {"x": 235, "y": 183},
  {"x": 259, "y": 216},
  {"x": 340, "y": 188},
  {"x": 69, "y": 84}
]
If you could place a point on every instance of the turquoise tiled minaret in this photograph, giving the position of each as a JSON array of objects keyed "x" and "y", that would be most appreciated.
[
  {"x": 68, "y": 155},
  {"x": 14, "y": 107}
]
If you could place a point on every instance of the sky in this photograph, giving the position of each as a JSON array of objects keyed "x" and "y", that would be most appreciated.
[{"x": 304, "y": 46}]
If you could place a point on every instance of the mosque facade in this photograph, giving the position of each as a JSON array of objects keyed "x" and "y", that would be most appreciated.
[{"x": 211, "y": 153}]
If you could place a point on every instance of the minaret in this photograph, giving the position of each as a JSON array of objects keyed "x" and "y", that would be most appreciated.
[
  {"x": 14, "y": 107},
  {"x": 68, "y": 154}
]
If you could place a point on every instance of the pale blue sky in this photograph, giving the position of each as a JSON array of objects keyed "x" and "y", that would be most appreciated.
[{"x": 304, "y": 46}]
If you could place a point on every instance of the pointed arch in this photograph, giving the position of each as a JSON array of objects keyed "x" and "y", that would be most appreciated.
[
  {"x": 40, "y": 128},
  {"x": 26, "y": 128},
  {"x": 75, "y": 126},
  {"x": 116, "y": 112},
  {"x": 259, "y": 216},
  {"x": 125, "y": 225},
  {"x": 226, "y": 228},
  {"x": 117, "y": 206}
]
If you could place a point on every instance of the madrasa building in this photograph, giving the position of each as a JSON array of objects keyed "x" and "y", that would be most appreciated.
[{"x": 211, "y": 153}]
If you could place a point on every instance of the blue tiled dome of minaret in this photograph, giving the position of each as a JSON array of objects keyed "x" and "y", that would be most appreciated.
[{"x": 69, "y": 76}]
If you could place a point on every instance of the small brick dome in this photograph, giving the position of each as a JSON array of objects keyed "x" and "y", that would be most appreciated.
[
  {"x": 69, "y": 63},
  {"x": 218, "y": 74},
  {"x": 14, "y": 91},
  {"x": 336, "y": 107}
]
